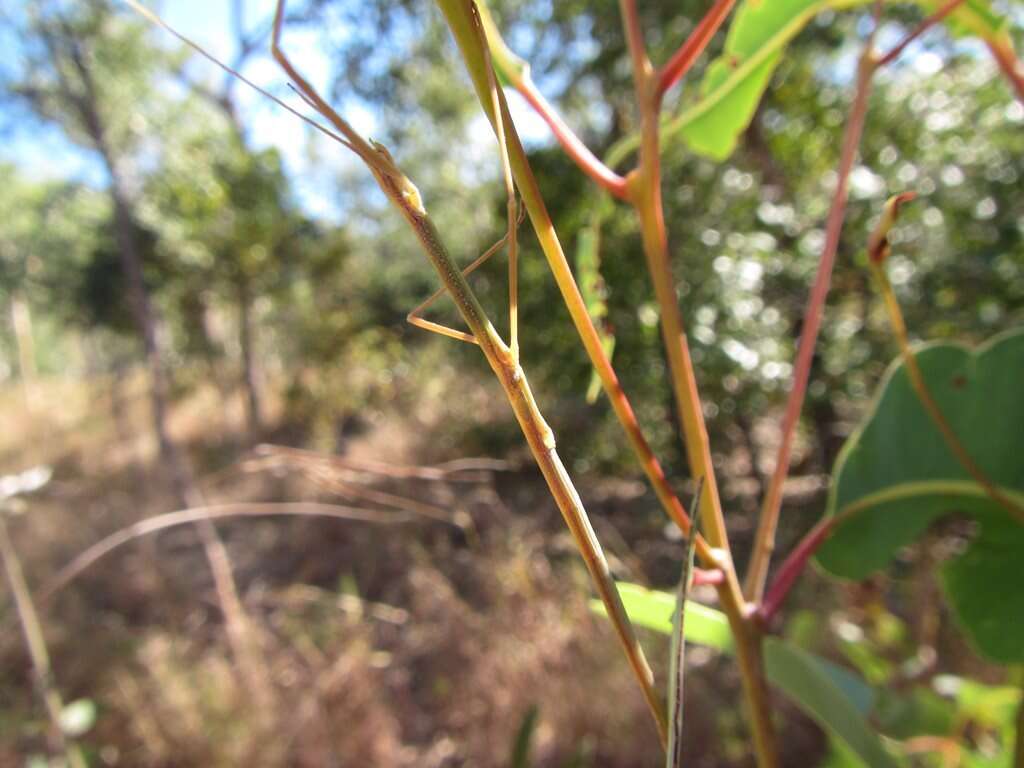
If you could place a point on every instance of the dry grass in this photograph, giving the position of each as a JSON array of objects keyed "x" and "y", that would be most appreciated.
[{"x": 426, "y": 646}]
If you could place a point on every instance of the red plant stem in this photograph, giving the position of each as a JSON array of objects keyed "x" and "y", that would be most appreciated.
[
  {"x": 895, "y": 52},
  {"x": 712, "y": 576},
  {"x": 691, "y": 49},
  {"x": 1011, "y": 67},
  {"x": 764, "y": 542},
  {"x": 792, "y": 567},
  {"x": 571, "y": 143},
  {"x": 634, "y": 36}
]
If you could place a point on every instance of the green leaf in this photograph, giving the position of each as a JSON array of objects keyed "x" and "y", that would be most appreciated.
[
  {"x": 920, "y": 711},
  {"x": 833, "y": 697},
  {"x": 524, "y": 739},
  {"x": 896, "y": 475},
  {"x": 993, "y": 706},
  {"x": 830, "y": 696},
  {"x": 594, "y": 290},
  {"x": 653, "y": 609},
  {"x": 734, "y": 83}
]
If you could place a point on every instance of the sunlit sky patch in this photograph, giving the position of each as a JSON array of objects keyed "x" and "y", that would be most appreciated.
[{"x": 312, "y": 161}]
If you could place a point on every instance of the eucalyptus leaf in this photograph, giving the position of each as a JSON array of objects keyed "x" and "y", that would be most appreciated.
[
  {"x": 833, "y": 697},
  {"x": 654, "y": 609},
  {"x": 734, "y": 83},
  {"x": 896, "y": 475},
  {"x": 835, "y": 702}
]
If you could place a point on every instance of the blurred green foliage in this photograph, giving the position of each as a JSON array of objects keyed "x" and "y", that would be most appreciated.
[{"x": 226, "y": 241}]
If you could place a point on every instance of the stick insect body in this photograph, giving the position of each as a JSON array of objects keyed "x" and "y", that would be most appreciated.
[{"x": 503, "y": 358}]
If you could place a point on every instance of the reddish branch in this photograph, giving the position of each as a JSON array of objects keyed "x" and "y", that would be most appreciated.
[
  {"x": 792, "y": 567},
  {"x": 573, "y": 146},
  {"x": 764, "y": 543},
  {"x": 1010, "y": 66},
  {"x": 691, "y": 49},
  {"x": 929, "y": 22}
]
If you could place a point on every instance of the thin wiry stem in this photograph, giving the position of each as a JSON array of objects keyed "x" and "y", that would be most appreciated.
[
  {"x": 764, "y": 540},
  {"x": 870, "y": 62},
  {"x": 35, "y": 642},
  {"x": 924, "y": 395},
  {"x": 86, "y": 559},
  {"x": 930, "y": 21},
  {"x": 791, "y": 568},
  {"x": 517, "y": 73}
]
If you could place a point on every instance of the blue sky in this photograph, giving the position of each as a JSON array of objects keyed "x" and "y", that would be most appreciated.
[
  {"x": 313, "y": 162},
  {"x": 43, "y": 152}
]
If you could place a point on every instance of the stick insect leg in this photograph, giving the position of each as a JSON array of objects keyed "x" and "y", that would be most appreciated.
[
  {"x": 514, "y": 220},
  {"x": 379, "y": 163},
  {"x": 510, "y": 191},
  {"x": 415, "y": 317}
]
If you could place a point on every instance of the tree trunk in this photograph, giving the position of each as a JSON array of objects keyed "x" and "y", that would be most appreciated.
[
  {"x": 21, "y": 321},
  {"x": 250, "y": 378},
  {"x": 146, "y": 322}
]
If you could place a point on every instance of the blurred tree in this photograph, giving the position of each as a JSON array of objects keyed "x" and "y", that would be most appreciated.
[
  {"x": 85, "y": 68},
  {"x": 48, "y": 231},
  {"x": 746, "y": 233},
  {"x": 257, "y": 197}
]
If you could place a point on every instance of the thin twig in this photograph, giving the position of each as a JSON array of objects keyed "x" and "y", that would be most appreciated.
[
  {"x": 86, "y": 559},
  {"x": 470, "y": 470},
  {"x": 930, "y": 21},
  {"x": 676, "y": 68},
  {"x": 924, "y": 395},
  {"x": 764, "y": 540},
  {"x": 517, "y": 73},
  {"x": 35, "y": 642},
  {"x": 791, "y": 568}
]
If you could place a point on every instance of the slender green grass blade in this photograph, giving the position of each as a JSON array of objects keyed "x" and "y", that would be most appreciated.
[{"x": 677, "y": 654}]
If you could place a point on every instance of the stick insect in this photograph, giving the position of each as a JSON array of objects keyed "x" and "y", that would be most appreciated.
[{"x": 503, "y": 358}]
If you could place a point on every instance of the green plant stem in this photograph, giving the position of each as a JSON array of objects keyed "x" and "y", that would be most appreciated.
[
  {"x": 459, "y": 16},
  {"x": 35, "y": 642},
  {"x": 924, "y": 395},
  {"x": 645, "y": 194}
]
